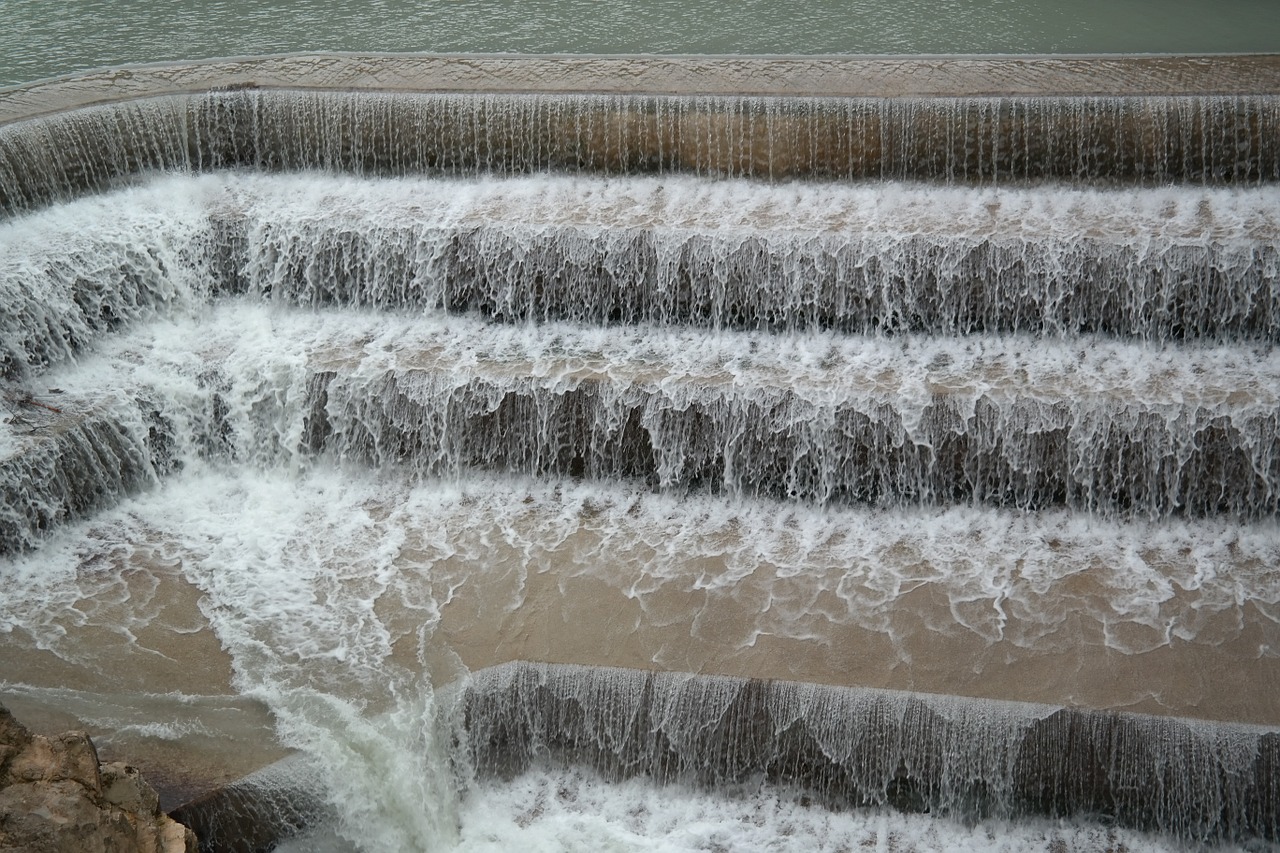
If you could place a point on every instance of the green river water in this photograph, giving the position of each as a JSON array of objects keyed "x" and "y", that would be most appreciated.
[{"x": 40, "y": 38}]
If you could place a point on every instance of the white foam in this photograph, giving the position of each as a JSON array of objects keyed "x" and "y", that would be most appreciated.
[
  {"x": 576, "y": 811},
  {"x": 679, "y": 203}
]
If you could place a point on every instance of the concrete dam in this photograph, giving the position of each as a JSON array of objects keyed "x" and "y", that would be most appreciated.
[{"x": 393, "y": 444}]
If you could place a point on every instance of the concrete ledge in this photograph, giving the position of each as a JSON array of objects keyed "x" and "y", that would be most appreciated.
[
  {"x": 838, "y": 747},
  {"x": 1146, "y": 140},
  {"x": 257, "y": 812},
  {"x": 1115, "y": 459},
  {"x": 852, "y": 747},
  {"x": 881, "y": 77},
  {"x": 72, "y": 466},
  {"x": 1155, "y": 120}
]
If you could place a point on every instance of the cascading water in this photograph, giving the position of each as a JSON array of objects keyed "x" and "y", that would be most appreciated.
[
  {"x": 323, "y": 446},
  {"x": 966, "y": 140}
]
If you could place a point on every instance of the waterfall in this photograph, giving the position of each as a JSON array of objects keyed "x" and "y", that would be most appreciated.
[
  {"x": 1155, "y": 265},
  {"x": 920, "y": 421},
  {"x": 1150, "y": 140},
  {"x": 871, "y": 455},
  {"x": 940, "y": 755}
]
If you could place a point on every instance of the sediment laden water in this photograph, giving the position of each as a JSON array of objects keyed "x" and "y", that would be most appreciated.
[
  {"x": 1156, "y": 265},
  {"x": 333, "y": 591},
  {"x": 1147, "y": 140},
  {"x": 1176, "y": 617},
  {"x": 1109, "y": 428}
]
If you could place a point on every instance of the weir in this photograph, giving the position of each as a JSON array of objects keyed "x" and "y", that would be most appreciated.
[
  {"x": 911, "y": 421},
  {"x": 835, "y": 119},
  {"x": 845, "y": 748},
  {"x": 1152, "y": 265},
  {"x": 852, "y": 748},
  {"x": 890, "y": 434},
  {"x": 1146, "y": 140}
]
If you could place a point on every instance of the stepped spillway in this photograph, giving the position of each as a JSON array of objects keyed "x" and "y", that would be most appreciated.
[
  {"x": 841, "y": 379},
  {"x": 1154, "y": 265},
  {"x": 1114, "y": 429}
]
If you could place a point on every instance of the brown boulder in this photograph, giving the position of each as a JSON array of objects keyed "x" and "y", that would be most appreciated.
[
  {"x": 124, "y": 786},
  {"x": 65, "y": 757},
  {"x": 56, "y": 798},
  {"x": 60, "y": 816},
  {"x": 14, "y": 738}
]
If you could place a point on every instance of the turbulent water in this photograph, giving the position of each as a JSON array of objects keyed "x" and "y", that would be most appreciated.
[
  {"x": 322, "y": 446},
  {"x": 577, "y": 811}
]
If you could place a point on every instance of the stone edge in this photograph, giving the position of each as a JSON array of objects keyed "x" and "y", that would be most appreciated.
[{"x": 875, "y": 77}]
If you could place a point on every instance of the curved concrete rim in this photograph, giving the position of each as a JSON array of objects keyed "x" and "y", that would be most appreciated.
[{"x": 781, "y": 76}]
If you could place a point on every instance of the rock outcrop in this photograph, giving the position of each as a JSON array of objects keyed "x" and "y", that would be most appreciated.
[{"x": 55, "y": 797}]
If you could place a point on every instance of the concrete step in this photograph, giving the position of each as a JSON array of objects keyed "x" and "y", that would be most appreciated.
[
  {"x": 1111, "y": 429},
  {"x": 1160, "y": 265},
  {"x": 1130, "y": 139}
]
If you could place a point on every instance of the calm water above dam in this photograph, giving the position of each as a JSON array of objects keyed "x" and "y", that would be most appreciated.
[{"x": 40, "y": 38}]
